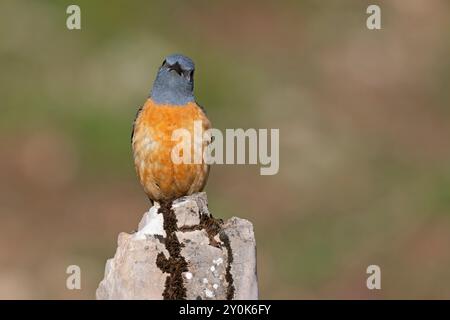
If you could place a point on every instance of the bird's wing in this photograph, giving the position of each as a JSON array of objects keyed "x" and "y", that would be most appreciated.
[
  {"x": 207, "y": 123},
  {"x": 134, "y": 122},
  {"x": 201, "y": 107}
]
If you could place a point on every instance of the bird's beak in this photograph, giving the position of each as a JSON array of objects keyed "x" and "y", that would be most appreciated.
[{"x": 177, "y": 68}]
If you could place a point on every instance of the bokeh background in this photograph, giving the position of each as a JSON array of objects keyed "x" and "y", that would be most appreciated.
[{"x": 364, "y": 125}]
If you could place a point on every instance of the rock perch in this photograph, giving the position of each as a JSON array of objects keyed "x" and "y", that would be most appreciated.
[{"x": 181, "y": 252}]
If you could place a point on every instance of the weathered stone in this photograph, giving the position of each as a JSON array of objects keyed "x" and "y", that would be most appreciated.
[
  {"x": 124, "y": 274},
  {"x": 243, "y": 245},
  {"x": 220, "y": 257}
]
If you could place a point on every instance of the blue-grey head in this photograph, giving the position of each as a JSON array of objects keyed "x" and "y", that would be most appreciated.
[{"x": 174, "y": 83}]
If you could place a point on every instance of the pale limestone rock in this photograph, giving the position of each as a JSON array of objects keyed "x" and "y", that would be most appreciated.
[
  {"x": 125, "y": 273},
  {"x": 134, "y": 274}
]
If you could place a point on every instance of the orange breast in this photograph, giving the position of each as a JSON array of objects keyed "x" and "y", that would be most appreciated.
[{"x": 152, "y": 143}]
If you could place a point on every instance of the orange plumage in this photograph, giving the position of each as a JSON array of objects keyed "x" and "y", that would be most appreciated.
[{"x": 152, "y": 145}]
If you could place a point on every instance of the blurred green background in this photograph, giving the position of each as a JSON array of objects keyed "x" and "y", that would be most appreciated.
[{"x": 364, "y": 125}]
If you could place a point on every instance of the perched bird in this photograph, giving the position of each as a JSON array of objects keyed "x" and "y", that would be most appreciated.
[{"x": 170, "y": 106}]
